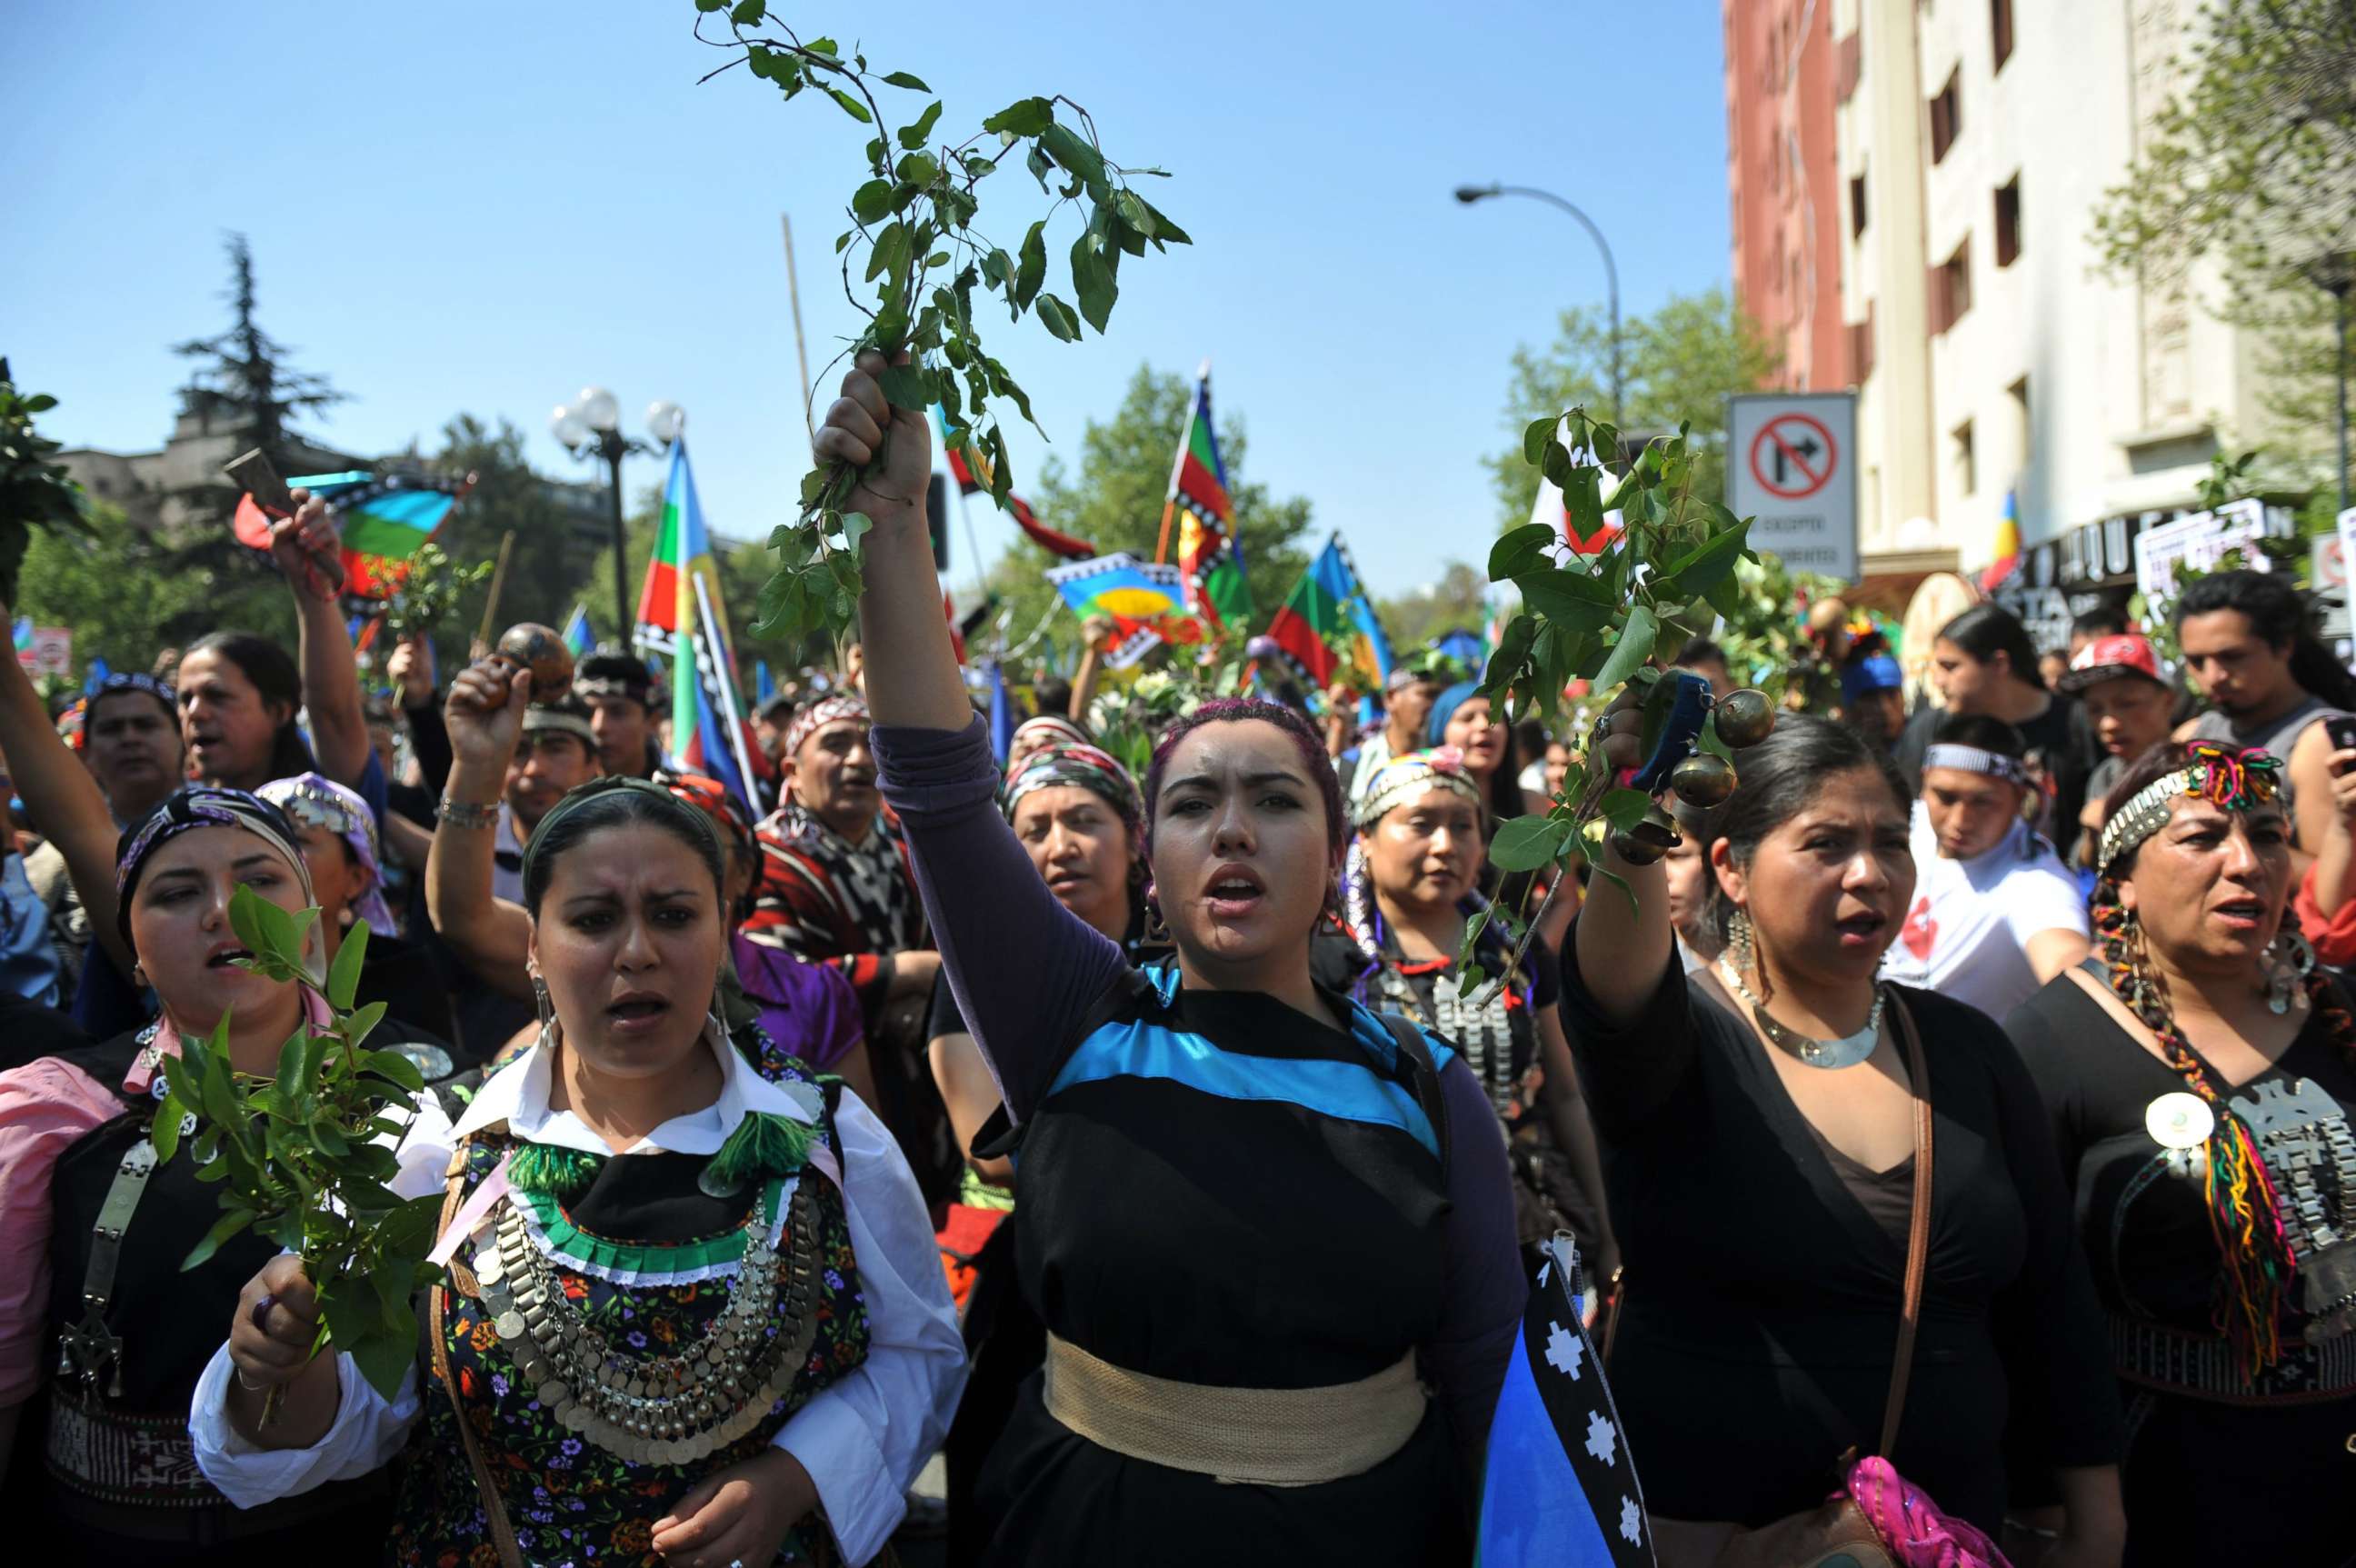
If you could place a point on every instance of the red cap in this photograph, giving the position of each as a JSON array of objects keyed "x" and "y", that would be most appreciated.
[{"x": 2107, "y": 658}]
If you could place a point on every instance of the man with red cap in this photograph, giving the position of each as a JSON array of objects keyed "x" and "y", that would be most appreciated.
[{"x": 2129, "y": 693}]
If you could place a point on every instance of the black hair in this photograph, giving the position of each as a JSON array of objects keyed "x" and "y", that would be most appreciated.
[
  {"x": 1052, "y": 695},
  {"x": 1780, "y": 777},
  {"x": 2103, "y": 621},
  {"x": 618, "y": 803},
  {"x": 1980, "y": 732},
  {"x": 272, "y": 670},
  {"x": 1529, "y": 742},
  {"x": 90, "y": 713},
  {"x": 1699, "y": 650},
  {"x": 1986, "y": 630},
  {"x": 2276, "y": 611},
  {"x": 778, "y": 710}
]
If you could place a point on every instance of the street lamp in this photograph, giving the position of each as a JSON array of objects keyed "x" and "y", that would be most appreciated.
[
  {"x": 2336, "y": 276},
  {"x": 1469, "y": 194},
  {"x": 591, "y": 427}
]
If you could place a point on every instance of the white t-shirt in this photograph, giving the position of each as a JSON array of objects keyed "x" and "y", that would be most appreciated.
[{"x": 1967, "y": 935}]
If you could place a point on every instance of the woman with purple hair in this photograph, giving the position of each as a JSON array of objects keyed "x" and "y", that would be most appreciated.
[{"x": 1259, "y": 1220}]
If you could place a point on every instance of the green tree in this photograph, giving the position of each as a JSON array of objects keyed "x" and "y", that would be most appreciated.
[
  {"x": 1459, "y": 599},
  {"x": 1114, "y": 500},
  {"x": 2252, "y": 164},
  {"x": 117, "y": 588},
  {"x": 549, "y": 571},
  {"x": 1681, "y": 362}
]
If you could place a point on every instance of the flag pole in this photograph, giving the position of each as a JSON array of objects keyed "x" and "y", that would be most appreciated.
[
  {"x": 1178, "y": 463},
  {"x": 724, "y": 681},
  {"x": 499, "y": 581},
  {"x": 801, "y": 353}
]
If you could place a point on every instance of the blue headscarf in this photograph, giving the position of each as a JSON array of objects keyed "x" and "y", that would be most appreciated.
[{"x": 1435, "y": 728}]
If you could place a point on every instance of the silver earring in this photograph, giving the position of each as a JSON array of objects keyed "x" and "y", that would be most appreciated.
[
  {"x": 1737, "y": 940},
  {"x": 542, "y": 1002},
  {"x": 2290, "y": 958}
]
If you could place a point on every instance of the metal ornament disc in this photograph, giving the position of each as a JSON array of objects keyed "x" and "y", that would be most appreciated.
[{"x": 2180, "y": 1121}]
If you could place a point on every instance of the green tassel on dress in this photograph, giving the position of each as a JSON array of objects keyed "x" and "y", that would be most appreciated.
[
  {"x": 563, "y": 1175},
  {"x": 763, "y": 1144}
]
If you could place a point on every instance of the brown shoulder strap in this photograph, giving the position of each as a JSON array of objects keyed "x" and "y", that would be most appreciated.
[
  {"x": 494, "y": 1509},
  {"x": 1918, "y": 1230}
]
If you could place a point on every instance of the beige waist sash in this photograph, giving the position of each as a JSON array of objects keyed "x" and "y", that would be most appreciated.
[{"x": 1261, "y": 1437}]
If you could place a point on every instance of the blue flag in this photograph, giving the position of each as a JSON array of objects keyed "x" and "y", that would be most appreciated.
[
  {"x": 577, "y": 635},
  {"x": 99, "y": 671},
  {"x": 1560, "y": 1488},
  {"x": 764, "y": 686},
  {"x": 1002, "y": 714}
]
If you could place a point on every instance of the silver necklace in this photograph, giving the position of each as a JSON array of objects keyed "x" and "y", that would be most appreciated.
[{"x": 1846, "y": 1051}]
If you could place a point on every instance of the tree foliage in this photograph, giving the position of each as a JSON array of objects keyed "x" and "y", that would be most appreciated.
[
  {"x": 913, "y": 226},
  {"x": 1460, "y": 598},
  {"x": 128, "y": 599},
  {"x": 35, "y": 489},
  {"x": 1679, "y": 364},
  {"x": 2251, "y": 163},
  {"x": 1114, "y": 499}
]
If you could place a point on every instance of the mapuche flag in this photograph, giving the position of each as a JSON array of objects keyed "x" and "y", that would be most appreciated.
[
  {"x": 1329, "y": 599},
  {"x": 972, "y": 471},
  {"x": 1210, "y": 557},
  {"x": 683, "y": 615}
]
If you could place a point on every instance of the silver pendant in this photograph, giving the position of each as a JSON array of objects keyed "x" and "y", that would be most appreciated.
[{"x": 1847, "y": 1050}]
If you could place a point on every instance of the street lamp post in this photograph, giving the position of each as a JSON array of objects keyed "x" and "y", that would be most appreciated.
[
  {"x": 1469, "y": 194},
  {"x": 591, "y": 427}
]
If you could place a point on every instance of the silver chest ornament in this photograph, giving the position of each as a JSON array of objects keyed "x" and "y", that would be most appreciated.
[{"x": 2303, "y": 1136}]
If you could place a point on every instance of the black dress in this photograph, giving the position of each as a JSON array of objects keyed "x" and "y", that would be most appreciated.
[
  {"x": 2238, "y": 1471},
  {"x": 120, "y": 1482},
  {"x": 1760, "y": 1315}
]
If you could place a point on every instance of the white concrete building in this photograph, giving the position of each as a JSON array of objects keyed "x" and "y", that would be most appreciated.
[{"x": 1994, "y": 364}]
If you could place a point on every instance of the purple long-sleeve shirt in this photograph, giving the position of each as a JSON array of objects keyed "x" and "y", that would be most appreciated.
[{"x": 1025, "y": 970}]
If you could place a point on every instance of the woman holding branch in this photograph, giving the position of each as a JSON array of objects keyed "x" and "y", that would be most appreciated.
[
  {"x": 1257, "y": 1394},
  {"x": 94, "y": 1230},
  {"x": 695, "y": 1313},
  {"x": 1763, "y": 1149}
]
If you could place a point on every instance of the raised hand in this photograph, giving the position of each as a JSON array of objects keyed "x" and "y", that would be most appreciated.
[
  {"x": 856, "y": 428},
  {"x": 485, "y": 712},
  {"x": 301, "y": 543}
]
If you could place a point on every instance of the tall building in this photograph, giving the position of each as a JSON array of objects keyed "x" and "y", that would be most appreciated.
[{"x": 2000, "y": 377}]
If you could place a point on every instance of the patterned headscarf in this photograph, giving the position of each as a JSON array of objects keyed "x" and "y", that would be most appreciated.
[
  {"x": 1045, "y": 733},
  {"x": 1078, "y": 767},
  {"x": 1403, "y": 776},
  {"x": 313, "y": 800},
  {"x": 200, "y": 806},
  {"x": 820, "y": 714},
  {"x": 712, "y": 798},
  {"x": 2229, "y": 779}
]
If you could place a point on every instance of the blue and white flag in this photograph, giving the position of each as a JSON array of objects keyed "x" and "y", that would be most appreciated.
[{"x": 1560, "y": 1488}]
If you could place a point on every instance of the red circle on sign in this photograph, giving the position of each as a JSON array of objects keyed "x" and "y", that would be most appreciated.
[{"x": 1780, "y": 464}]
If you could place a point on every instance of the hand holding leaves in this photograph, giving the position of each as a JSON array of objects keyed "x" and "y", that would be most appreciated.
[{"x": 304, "y": 1156}]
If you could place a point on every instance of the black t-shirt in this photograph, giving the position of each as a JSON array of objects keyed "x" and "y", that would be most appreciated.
[{"x": 29, "y": 1031}]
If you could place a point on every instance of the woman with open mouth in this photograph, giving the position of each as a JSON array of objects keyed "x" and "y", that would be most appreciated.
[
  {"x": 1257, "y": 1218},
  {"x": 2202, "y": 1073},
  {"x": 694, "y": 1308},
  {"x": 103, "y": 1336},
  {"x": 1773, "y": 1191}
]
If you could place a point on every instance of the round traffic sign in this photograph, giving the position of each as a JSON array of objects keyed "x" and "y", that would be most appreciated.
[{"x": 1793, "y": 456}]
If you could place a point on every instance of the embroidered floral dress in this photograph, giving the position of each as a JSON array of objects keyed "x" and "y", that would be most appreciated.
[{"x": 620, "y": 1327}]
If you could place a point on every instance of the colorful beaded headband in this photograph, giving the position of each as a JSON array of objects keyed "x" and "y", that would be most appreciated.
[
  {"x": 1412, "y": 774},
  {"x": 1975, "y": 759},
  {"x": 2230, "y": 780},
  {"x": 820, "y": 714}
]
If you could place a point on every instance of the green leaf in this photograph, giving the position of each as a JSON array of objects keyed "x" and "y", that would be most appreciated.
[
  {"x": 1072, "y": 153},
  {"x": 1031, "y": 268},
  {"x": 855, "y": 527},
  {"x": 1620, "y": 882},
  {"x": 1538, "y": 437},
  {"x": 344, "y": 974},
  {"x": 746, "y": 13},
  {"x": 919, "y": 168},
  {"x": 1576, "y": 602},
  {"x": 913, "y": 136},
  {"x": 363, "y": 1022},
  {"x": 870, "y": 202},
  {"x": 1092, "y": 279},
  {"x": 1702, "y": 568},
  {"x": 1520, "y": 550},
  {"x": 850, "y": 106},
  {"x": 226, "y": 1225},
  {"x": 1526, "y": 843},
  {"x": 902, "y": 78},
  {"x": 1024, "y": 117},
  {"x": 165, "y": 1133},
  {"x": 1133, "y": 212},
  {"x": 1629, "y": 653},
  {"x": 1623, "y": 809},
  {"x": 265, "y": 927},
  {"x": 905, "y": 386},
  {"x": 383, "y": 1357},
  {"x": 1057, "y": 317},
  {"x": 395, "y": 1066},
  {"x": 1165, "y": 232}
]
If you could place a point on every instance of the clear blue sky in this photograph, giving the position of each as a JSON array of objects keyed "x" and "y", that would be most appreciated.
[{"x": 478, "y": 205}]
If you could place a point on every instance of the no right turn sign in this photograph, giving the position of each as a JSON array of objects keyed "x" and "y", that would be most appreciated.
[{"x": 1792, "y": 469}]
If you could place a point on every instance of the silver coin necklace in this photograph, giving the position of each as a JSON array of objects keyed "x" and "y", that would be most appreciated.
[{"x": 1847, "y": 1050}]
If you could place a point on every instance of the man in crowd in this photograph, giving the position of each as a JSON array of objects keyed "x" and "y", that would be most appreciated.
[
  {"x": 1414, "y": 685},
  {"x": 770, "y": 722},
  {"x": 2270, "y": 683},
  {"x": 2129, "y": 697},
  {"x": 620, "y": 693},
  {"x": 558, "y": 751},
  {"x": 1706, "y": 659}
]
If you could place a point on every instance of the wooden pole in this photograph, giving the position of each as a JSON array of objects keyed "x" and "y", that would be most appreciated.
[
  {"x": 499, "y": 581},
  {"x": 801, "y": 351}
]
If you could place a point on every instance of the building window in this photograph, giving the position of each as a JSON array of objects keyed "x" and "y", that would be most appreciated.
[
  {"x": 2008, "y": 222},
  {"x": 1861, "y": 347},
  {"x": 1951, "y": 288},
  {"x": 2000, "y": 29},
  {"x": 1947, "y": 115},
  {"x": 1966, "y": 467},
  {"x": 2024, "y": 442},
  {"x": 1856, "y": 208}
]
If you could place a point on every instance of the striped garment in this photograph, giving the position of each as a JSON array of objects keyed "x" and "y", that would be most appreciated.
[{"x": 826, "y": 901}]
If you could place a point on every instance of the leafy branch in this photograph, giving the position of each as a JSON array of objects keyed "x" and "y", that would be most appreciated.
[
  {"x": 34, "y": 490},
  {"x": 1668, "y": 573},
  {"x": 913, "y": 261},
  {"x": 303, "y": 1156},
  {"x": 429, "y": 594}
]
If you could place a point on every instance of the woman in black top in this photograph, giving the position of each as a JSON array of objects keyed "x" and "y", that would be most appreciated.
[
  {"x": 2189, "y": 1062},
  {"x": 1762, "y": 1200}
]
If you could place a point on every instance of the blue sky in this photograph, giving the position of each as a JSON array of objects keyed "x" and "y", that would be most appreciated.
[{"x": 483, "y": 206}]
